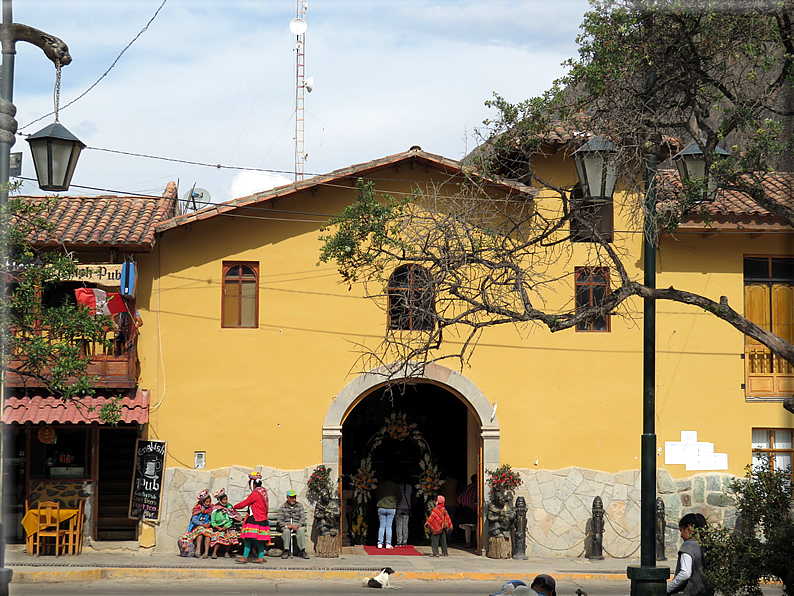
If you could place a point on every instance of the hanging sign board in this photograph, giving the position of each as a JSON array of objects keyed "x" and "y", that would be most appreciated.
[
  {"x": 147, "y": 481},
  {"x": 129, "y": 280},
  {"x": 105, "y": 275}
]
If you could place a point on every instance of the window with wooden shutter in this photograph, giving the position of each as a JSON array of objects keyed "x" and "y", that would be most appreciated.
[{"x": 769, "y": 303}]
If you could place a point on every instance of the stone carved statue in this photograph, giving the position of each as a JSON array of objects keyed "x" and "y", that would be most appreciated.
[
  {"x": 500, "y": 515},
  {"x": 597, "y": 527},
  {"x": 660, "y": 528},
  {"x": 520, "y": 530},
  {"x": 327, "y": 514}
]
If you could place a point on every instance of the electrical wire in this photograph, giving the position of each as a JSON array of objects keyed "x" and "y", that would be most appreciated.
[{"x": 84, "y": 93}]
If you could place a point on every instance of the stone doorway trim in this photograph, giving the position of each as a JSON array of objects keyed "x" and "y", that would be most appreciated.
[{"x": 456, "y": 383}]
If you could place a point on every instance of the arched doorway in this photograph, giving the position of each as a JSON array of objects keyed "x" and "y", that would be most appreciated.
[{"x": 471, "y": 445}]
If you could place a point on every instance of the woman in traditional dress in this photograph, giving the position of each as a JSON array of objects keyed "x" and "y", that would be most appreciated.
[
  {"x": 256, "y": 529},
  {"x": 200, "y": 529},
  {"x": 438, "y": 523},
  {"x": 223, "y": 517}
]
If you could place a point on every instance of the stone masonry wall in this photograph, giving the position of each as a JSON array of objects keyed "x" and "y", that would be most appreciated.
[{"x": 559, "y": 504}]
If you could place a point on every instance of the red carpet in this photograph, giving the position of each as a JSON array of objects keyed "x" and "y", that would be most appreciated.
[{"x": 405, "y": 551}]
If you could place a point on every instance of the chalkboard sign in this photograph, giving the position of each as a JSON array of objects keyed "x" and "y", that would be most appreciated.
[{"x": 147, "y": 481}]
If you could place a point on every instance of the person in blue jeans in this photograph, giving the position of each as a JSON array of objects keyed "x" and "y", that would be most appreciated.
[{"x": 388, "y": 496}]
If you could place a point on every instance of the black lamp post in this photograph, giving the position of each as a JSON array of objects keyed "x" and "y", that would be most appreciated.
[
  {"x": 598, "y": 170},
  {"x": 58, "y": 52},
  {"x": 55, "y": 152}
]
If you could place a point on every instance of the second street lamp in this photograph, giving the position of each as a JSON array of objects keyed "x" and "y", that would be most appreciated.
[{"x": 55, "y": 152}]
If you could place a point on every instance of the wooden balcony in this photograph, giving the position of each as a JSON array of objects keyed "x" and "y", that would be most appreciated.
[
  {"x": 767, "y": 375},
  {"x": 114, "y": 365}
]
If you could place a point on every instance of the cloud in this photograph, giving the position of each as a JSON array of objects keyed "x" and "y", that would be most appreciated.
[{"x": 247, "y": 183}]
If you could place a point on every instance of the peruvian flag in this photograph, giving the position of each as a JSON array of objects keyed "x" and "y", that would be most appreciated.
[{"x": 100, "y": 302}]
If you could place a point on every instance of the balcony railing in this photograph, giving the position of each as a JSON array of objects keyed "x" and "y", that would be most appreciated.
[
  {"x": 767, "y": 375},
  {"x": 115, "y": 363}
]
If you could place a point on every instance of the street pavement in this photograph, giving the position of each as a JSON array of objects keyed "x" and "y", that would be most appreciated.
[{"x": 121, "y": 572}]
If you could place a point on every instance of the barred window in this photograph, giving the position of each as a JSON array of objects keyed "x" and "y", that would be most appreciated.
[
  {"x": 592, "y": 286},
  {"x": 411, "y": 299}
]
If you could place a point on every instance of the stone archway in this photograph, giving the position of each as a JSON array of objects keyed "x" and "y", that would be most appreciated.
[{"x": 447, "y": 378}]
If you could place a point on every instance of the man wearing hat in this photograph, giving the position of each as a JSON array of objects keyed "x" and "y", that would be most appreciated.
[{"x": 292, "y": 521}]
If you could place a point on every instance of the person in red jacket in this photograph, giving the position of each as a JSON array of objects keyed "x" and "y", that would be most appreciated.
[{"x": 256, "y": 529}]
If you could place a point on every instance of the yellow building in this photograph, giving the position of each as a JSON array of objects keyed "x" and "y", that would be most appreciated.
[{"x": 254, "y": 359}]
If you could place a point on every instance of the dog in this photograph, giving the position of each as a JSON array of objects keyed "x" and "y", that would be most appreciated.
[{"x": 381, "y": 580}]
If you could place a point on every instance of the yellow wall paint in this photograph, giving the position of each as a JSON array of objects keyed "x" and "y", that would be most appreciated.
[{"x": 259, "y": 396}]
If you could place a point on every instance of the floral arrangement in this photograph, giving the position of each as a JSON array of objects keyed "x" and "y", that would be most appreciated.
[
  {"x": 504, "y": 479},
  {"x": 429, "y": 479},
  {"x": 364, "y": 481},
  {"x": 319, "y": 481},
  {"x": 397, "y": 426}
]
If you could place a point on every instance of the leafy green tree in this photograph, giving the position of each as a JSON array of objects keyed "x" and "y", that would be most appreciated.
[
  {"x": 761, "y": 548},
  {"x": 651, "y": 76},
  {"x": 44, "y": 344}
]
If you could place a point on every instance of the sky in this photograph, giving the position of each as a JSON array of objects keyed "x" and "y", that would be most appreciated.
[{"x": 213, "y": 82}]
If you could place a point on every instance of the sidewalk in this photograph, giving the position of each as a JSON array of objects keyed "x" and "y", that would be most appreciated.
[{"x": 353, "y": 564}]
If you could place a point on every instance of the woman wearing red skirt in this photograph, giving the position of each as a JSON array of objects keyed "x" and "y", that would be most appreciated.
[{"x": 256, "y": 529}]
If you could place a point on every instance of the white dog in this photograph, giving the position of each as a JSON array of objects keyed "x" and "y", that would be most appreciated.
[{"x": 381, "y": 580}]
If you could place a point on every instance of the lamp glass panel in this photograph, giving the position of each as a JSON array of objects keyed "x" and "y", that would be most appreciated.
[
  {"x": 695, "y": 165},
  {"x": 61, "y": 158},
  {"x": 39, "y": 151}
]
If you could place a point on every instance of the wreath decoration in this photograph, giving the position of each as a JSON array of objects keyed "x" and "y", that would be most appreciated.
[{"x": 364, "y": 482}]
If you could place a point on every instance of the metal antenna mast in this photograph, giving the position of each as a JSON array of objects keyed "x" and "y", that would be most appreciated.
[{"x": 298, "y": 27}]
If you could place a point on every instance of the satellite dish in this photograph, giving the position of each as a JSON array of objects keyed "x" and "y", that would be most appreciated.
[
  {"x": 299, "y": 44},
  {"x": 309, "y": 84},
  {"x": 297, "y": 26},
  {"x": 197, "y": 196}
]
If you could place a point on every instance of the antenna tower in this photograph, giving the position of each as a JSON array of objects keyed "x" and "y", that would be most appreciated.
[{"x": 298, "y": 27}]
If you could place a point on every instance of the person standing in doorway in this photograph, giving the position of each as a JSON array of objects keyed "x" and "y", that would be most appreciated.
[
  {"x": 439, "y": 523},
  {"x": 388, "y": 496},
  {"x": 403, "y": 514}
]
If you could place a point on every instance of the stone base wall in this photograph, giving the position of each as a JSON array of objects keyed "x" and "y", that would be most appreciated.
[
  {"x": 560, "y": 505},
  {"x": 181, "y": 485}
]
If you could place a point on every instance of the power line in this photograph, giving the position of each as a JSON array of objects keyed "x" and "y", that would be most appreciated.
[{"x": 84, "y": 93}]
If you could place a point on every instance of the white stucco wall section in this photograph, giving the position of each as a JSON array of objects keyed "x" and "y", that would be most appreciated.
[{"x": 447, "y": 378}]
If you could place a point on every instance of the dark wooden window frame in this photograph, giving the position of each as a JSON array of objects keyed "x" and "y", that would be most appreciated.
[
  {"x": 227, "y": 267},
  {"x": 579, "y": 273},
  {"x": 404, "y": 314},
  {"x": 590, "y": 216}
]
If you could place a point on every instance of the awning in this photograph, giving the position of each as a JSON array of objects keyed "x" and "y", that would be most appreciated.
[{"x": 49, "y": 409}]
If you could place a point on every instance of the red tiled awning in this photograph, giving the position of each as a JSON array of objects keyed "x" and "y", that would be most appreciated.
[{"x": 40, "y": 409}]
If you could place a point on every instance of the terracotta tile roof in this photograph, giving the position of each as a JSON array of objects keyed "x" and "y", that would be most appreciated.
[
  {"x": 104, "y": 220},
  {"x": 734, "y": 204},
  {"x": 414, "y": 156},
  {"x": 49, "y": 409}
]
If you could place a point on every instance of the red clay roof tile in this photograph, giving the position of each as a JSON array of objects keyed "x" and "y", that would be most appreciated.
[
  {"x": 41, "y": 409},
  {"x": 103, "y": 220}
]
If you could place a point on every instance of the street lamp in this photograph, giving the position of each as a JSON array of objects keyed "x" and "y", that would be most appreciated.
[
  {"x": 597, "y": 167},
  {"x": 55, "y": 152},
  {"x": 692, "y": 165},
  {"x": 58, "y": 52}
]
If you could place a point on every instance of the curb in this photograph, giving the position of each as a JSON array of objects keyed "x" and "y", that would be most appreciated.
[{"x": 90, "y": 575}]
